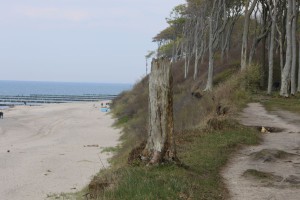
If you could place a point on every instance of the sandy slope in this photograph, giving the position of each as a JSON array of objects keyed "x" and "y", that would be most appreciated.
[
  {"x": 245, "y": 188},
  {"x": 48, "y": 150}
]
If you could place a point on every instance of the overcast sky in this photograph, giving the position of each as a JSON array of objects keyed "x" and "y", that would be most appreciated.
[{"x": 79, "y": 40}]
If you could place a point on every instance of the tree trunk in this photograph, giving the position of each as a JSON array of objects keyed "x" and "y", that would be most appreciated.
[
  {"x": 196, "y": 40},
  {"x": 281, "y": 54},
  {"x": 271, "y": 48},
  {"x": 223, "y": 47},
  {"x": 285, "y": 75},
  {"x": 185, "y": 66},
  {"x": 160, "y": 145},
  {"x": 196, "y": 63},
  {"x": 298, "y": 89},
  {"x": 263, "y": 58},
  {"x": 209, "y": 83},
  {"x": 245, "y": 33},
  {"x": 187, "y": 59},
  {"x": 188, "y": 66},
  {"x": 294, "y": 49}
]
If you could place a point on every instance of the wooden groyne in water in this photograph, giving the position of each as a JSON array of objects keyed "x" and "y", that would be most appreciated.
[{"x": 6, "y": 100}]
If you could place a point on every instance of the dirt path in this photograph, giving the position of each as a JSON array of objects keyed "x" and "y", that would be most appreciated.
[
  {"x": 44, "y": 149},
  {"x": 270, "y": 170}
]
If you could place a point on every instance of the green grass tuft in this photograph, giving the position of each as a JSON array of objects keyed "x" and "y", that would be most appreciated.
[{"x": 110, "y": 149}]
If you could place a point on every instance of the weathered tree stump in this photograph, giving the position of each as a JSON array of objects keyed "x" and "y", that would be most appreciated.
[{"x": 160, "y": 144}]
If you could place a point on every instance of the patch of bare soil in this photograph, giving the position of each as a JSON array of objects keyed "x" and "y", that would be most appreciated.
[{"x": 270, "y": 170}]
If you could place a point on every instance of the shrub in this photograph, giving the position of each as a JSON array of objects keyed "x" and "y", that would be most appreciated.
[{"x": 252, "y": 78}]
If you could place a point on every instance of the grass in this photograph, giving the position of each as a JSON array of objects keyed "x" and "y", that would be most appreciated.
[
  {"x": 275, "y": 102},
  {"x": 148, "y": 183},
  {"x": 224, "y": 75},
  {"x": 205, "y": 153},
  {"x": 110, "y": 149}
]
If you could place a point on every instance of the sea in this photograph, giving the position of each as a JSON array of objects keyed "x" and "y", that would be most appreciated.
[{"x": 27, "y": 88}]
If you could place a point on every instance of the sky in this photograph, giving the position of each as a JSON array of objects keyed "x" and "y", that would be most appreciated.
[{"x": 101, "y": 41}]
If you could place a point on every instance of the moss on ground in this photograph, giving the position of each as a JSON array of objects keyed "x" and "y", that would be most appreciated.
[
  {"x": 262, "y": 176},
  {"x": 270, "y": 155}
]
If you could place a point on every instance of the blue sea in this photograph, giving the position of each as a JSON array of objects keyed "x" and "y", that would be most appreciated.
[{"x": 25, "y": 88}]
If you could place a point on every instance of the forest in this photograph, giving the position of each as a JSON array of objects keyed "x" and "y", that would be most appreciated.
[{"x": 260, "y": 32}]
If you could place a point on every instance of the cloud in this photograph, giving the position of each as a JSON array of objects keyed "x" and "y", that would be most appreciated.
[{"x": 53, "y": 13}]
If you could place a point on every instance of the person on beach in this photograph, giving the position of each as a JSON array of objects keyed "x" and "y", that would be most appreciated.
[{"x": 1, "y": 115}]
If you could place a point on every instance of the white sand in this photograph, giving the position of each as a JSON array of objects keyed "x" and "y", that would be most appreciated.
[{"x": 47, "y": 153}]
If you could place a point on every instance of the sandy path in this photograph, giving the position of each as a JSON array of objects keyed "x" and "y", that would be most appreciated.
[
  {"x": 47, "y": 153},
  {"x": 245, "y": 188}
]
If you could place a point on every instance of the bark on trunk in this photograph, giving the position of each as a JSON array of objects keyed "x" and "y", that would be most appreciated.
[
  {"x": 263, "y": 58},
  {"x": 160, "y": 145},
  {"x": 281, "y": 55},
  {"x": 271, "y": 49},
  {"x": 298, "y": 89},
  {"x": 209, "y": 83},
  {"x": 223, "y": 47},
  {"x": 187, "y": 60},
  {"x": 285, "y": 75},
  {"x": 196, "y": 40},
  {"x": 196, "y": 64},
  {"x": 294, "y": 49},
  {"x": 185, "y": 66}
]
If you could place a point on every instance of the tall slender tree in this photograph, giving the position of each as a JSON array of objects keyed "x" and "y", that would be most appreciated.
[
  {"x": 248, "y": 11},
  {"x": 217, "y": 21},
  {"x": 286, "y": 72},
  {"x": 273, "y": 6},
  {"x": 294, "y": 47}
]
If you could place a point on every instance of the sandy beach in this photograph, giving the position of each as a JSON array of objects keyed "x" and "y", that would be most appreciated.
[{"x": 52, "y": 148}]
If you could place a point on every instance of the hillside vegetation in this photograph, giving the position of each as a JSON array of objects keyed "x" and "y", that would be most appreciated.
[
  {"x": 206, "y": 135},
  {"x": 216, "y": 72}
]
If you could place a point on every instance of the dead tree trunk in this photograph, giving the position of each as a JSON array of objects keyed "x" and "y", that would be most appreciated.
[{"x": 160, "y": 145}]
